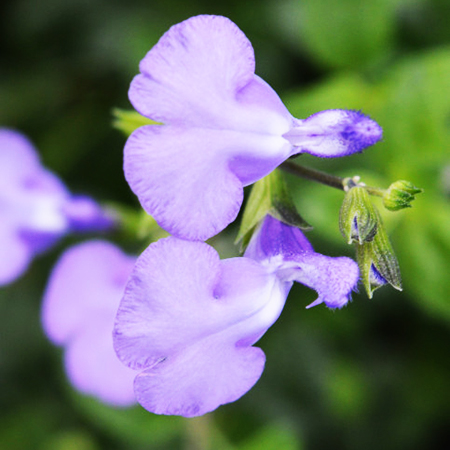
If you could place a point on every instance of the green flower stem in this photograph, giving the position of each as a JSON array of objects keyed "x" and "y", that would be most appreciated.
[
  {"x": 202, "y": 433},
  {"x": 326, "y": 178},
  {"x": 313, "y": 174},
  {"x": 375, "y": 191},
  {"x": 198, "y": 433}
]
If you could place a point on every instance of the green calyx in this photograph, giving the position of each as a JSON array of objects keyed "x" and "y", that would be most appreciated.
[
  {"x": 377, "y": 261},
  {"x": 357, "y": 217},
  {"x": 129, "y": 121},
  {"x": 269, "y": 195}
]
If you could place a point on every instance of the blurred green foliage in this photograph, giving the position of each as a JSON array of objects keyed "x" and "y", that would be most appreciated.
[{"x": 374, "y": 375}]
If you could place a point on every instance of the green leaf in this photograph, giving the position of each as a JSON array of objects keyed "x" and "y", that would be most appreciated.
[
  {"x": 274, "y": 437},
  {"x": 131, "y": 425},
  {"x": 342, "y": 91},
  {"x": 344, "y": 34},
  {"x": 423, "y": 246},
  {"x": 414, "y": 117},
  {"x": 135, "y": 224}
]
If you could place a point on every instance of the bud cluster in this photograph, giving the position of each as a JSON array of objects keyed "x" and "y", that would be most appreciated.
[
  {"x": 361, "y": 223},
  {"x": 399, "y": 195}
]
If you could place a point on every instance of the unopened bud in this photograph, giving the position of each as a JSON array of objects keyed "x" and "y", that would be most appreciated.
[
  {"x": 357, "y": 218},
  {"x": 377, "y": 262},
  {"x": 399, "y": 195}
]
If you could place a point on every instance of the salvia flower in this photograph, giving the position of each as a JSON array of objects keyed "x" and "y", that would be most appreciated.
[
  {"x": 78, "y": 312},
  {"x": 35, "y": 207},
  {"x": 222, "y": 128},
  {"x": 188, "y": 320}
]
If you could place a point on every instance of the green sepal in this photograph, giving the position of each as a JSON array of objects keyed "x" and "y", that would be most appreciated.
[
  {"x": 269, "y": 195},
  {"x": 357, "y": 217},
  {"x": 399, "y": 195},
  {"x": 380, "y": 254},
  {"x": 128, "y": 121},
  {"x": 135, "y": 224}
]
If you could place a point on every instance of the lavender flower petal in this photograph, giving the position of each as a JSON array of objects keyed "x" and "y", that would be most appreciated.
[
  {"x": 18, "y": 158},
  {"x": 14, "y": 254},
  {"x": 87, "y": 278},
  {"x": 192, "y": 76},
  {"x": 199, "y": 379},
  {"x": 189, "y": 319},
  {"x": 93, "y": 367},
  {"x": 335, "y": 132},
  {"x": 334, "y": 279},
  {"x": 274, "y": 238},
  {"x": 173, "y": 169},
  {"x": 78, "y": 312},
  {"x": 84, "y": 214},
  {"x": 292, "y": 256}
]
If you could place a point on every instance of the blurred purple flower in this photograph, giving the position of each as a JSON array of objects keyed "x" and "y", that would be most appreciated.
[
  {"x": 78, "y": 312},
  {"x": 188, "y": 320},
  {"x": 223, "y": 128},
  {"x": 35, "y": 207}
]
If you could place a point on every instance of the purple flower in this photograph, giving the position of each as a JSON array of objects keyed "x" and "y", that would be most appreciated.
[
  {"x": 78, "y": 312},
  {"x": 35, "y": 207},
  {"x": 188, "y": 320},
  {"x": 223, "y": 128}
]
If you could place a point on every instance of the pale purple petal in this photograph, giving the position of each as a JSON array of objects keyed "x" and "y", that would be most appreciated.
[
  {"x": 375, "y": 277},
  {"x": 189, "y": 320},
  {"x": 277, "y": 238},
  {"x": 334, "y": 279},
  {"x": 14, "y": 253},
  {"x": 80, "y": 303},
  {"x": 287, "y": 250},
  {"x": 199, "y": 379},
  {"x": 333, "y": 133},
  {"x": 165, "y": 302},
  {"x": 180, "y": 291},
  {"x": 88, "y": 278},
  {"x": 84, "y": 214},
  {"x": 196, "y": 67},
  {"x": 183, "y": 178},
  {"x": 93, "y": 367},
  {"x": 18, "y": 158},
  {"x": 37, "y": 204}
]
